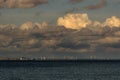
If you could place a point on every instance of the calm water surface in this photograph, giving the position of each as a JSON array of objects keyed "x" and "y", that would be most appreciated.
[{"x": 65, "y": 70}]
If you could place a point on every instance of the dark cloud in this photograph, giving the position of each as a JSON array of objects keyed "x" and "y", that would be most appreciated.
[
  {"x": 115, "y": 45},
  {"x": 101, "y": 4},
  {"x": 21, "y": 3},
  {"x": 112, "y": 47},
  {"x": 54, "y": 38},
  {"x": 73, "y": 45}
]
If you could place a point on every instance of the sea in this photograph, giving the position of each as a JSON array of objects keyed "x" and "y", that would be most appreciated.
[{"x": 60, "y": 70}]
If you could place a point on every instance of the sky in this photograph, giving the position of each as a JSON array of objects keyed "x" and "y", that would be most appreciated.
[
  {"x": 55, "y": 8},
  {"x": 57, "y": 28}
]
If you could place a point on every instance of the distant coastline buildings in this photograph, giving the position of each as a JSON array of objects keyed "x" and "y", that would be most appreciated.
[{"x": 43, "y": 58}]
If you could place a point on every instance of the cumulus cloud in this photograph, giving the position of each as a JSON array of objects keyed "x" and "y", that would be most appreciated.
[
  {"x": 112, "y": 22},
  {"x": 8, "y": 27},
  {"x": 79, "y": 21},
  {"x": 74, "y": 33},
  {"x": 21, "y": 3},
  {"x": 98, "y": 35},
  {"x": 74, "y": 21},
  {"x": 96, "y": 23},
  {"x": 101, "y": 4},
  {"x": 30, "y": 25},
  {"x": 30, "y": 38}
]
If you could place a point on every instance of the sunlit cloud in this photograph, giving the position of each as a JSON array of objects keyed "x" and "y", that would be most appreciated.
[
  {"x": 112, "y": 22},
  {"x": 30, "y": 25},
  {"x": 79, "y": 21},
  {"x": 21, "y": 3},
  {"x": 74, "y": 21}
]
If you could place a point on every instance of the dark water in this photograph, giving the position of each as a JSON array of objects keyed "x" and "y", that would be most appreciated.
[{"x": 60, "y": 70}]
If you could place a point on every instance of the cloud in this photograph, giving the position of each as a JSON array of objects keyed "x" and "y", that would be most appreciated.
[
  {"x": 112, "y": 22},
  {"x": 96, "y": 23},
  {"x": 54, "y": 39},
  {"x": 109, "y": 40},
  {"x": 95, "y": 34},
  {"x": 8, "y": 27},
  {"x": 50, "y": 42},
  {"x": 30, "y": 38},
  {"x": 74, "y": 21},
  {"x": 5, "y": 40},
  {"x": 30, "y": 26},
  {"x": 73, "y": 45},
  {"x": 107, "y": 44},
  {"x": 115, "y": 46},
  {"x": 110, "y": 46},
  {"x": 73, "y": 33},
  {"x": 101, "y": 4},
  {"x": 79, "y": 21},
  {"x": 117, "y": 33},
  {"x": 21, "y": 3},
  {"x": 1, "y": 3},
  {"x": 27, "y": 43}
]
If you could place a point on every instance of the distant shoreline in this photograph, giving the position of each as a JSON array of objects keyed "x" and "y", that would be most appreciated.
[{"x": 80, "y": 60}]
